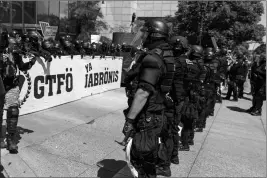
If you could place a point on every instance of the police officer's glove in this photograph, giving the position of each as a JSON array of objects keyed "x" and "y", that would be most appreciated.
[{"x": 129, "y": 127}]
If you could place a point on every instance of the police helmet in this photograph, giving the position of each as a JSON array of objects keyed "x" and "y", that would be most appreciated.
[
  {"x": 57, "y": 44},
  {"x": 34, "y": 36},
  {"x": 196, "y": 51},
  {"x": 47, "y": 44},
  {"x": 85, "y": 45},
  {"x": 156, "y": 29},
  {"x": 208, "y": 53},
  {"x": 67, "y": 43},
  {"x": 14, "y": 34},
  {"x": 179, "y": 43}
]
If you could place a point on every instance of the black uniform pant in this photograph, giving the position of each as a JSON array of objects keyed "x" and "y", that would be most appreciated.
[
  {"x": 170, "y": 135},
  {"x": 145, "y": 146},
  {"x": 259, "y": 96},
  {"x": 240, "y": 88},
  {"x": 175, "y": 130},
  {"x": 232, "y": 88},
  {"x": 218, "y": 92},
  {"x": 211, "y": 97},
  {"x": 188, "y": 118},
  {"x": 187, "y": 134}
]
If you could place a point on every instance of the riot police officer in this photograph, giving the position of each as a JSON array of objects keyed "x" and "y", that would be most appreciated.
[
  {"x": 232, "y": 85},
  {"x": 241, "y": 75},
  {"x": 11, "y": 59},
  {"x": 146, "y": 115},
  {"x": 210, "y": 90},
  {"x": 193, "y": 85},
  {"x": 180, "y": 49},
  {"x": 258, "y": 80},
  {"x": 214, "y": 81}
]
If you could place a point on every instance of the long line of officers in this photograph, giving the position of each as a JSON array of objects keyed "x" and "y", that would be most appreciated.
[{"x": 174, "y": 83}]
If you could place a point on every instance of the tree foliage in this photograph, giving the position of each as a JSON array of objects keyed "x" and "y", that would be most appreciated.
[
  {"x": 87, "y": 16},
  {"x": 231, "y": 23},
  {"x": 260, "y": 49}
]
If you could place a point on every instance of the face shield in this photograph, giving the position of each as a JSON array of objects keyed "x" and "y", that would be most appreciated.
[{"x": 140, "y": 37}]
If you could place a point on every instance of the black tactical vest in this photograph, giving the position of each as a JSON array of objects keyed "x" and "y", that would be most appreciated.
[
  {"x": 166, "y": 81},
  {"x": 166, "y": 53},
  {"x": 193, "y": 71},
  {"x": 211, "y": 65},
  {"x": 178, "y": 91}
]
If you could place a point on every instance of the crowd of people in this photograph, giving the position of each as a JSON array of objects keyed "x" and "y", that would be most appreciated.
[
  {"x": 13, "y": 47},
  {"x": 174, "y": 83},
  {"x": 170, "y": 83}
]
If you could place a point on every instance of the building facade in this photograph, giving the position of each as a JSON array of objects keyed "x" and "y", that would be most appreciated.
[
  {"x": 24, "y": 15},
  {"x": 118, "y": 14}
]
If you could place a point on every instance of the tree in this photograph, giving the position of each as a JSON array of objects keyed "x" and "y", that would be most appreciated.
[
  {"x": 87, "y": 17},
  {"x": 231, "y": 23},
  {"x": 260, "y": 49}
]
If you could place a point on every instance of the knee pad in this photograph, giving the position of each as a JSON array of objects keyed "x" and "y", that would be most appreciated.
[{"x": 13, "y": 111}]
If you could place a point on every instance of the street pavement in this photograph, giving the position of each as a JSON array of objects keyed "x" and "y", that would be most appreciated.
[{"x": 78, "y": 140}]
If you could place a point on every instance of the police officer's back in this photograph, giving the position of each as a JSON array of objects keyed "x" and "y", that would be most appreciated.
[{"x": 146, "y": 113}]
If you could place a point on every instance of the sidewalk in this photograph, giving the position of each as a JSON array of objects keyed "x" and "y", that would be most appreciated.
[{"x": 78, "y": 140}]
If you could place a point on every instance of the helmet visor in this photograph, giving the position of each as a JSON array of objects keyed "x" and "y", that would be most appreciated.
[{"x": 140, "y": 37}]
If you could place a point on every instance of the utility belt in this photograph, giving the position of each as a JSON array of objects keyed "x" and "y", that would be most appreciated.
[{"x": 148, "y": 121}]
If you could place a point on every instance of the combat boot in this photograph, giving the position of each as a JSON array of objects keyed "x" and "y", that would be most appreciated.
[
  {"x": 175, "y": 160},
  {"x": 164, "y": 171},
  {"x": 11, "y": 143},
  {"x": 212, "y": 113},
  {"x": 200, "y": 129},
  {"x": 191, "y": 142},
  {"x": 184, "y": 148},
  {"x": 256, "y": 113}
]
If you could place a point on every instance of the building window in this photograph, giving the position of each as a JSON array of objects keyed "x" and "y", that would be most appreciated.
[
  {"x": 17, "y": 12},
  {"x": 30, "y": 12}
]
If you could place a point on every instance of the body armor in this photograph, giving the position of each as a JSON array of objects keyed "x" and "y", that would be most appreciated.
[
  {"x": 180, "y": 72},
  {"x": 212, "y": 68},
  {"x": 162, "y": 95}
]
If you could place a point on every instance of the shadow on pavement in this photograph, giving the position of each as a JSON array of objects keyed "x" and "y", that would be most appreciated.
[
  {"x": 246, "y": 98},
  {"x": 237, "y": 109},
  {"x": 247, "y": 93},
  {"x": 109, "y": 167},
  {"x": 21, "y": 131}
]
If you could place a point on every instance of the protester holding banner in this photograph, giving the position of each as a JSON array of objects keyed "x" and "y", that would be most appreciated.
[{"x": 10, "y": 60}]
